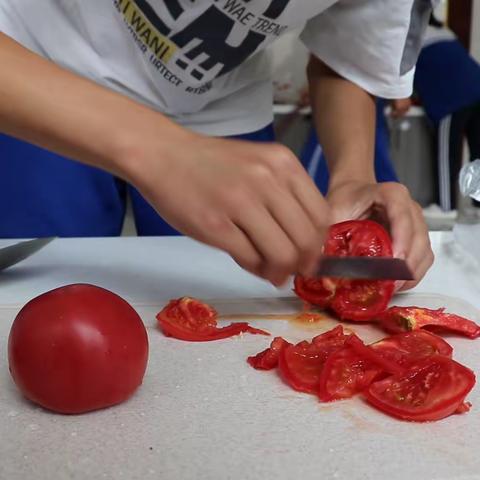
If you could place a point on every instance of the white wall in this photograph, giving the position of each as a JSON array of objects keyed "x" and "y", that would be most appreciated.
[
  {"x": 441, "y": 10},
  {"x": 475, "y": 41}
]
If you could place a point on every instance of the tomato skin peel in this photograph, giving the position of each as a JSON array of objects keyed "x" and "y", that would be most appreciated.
[{"x": 401, "y": 319}]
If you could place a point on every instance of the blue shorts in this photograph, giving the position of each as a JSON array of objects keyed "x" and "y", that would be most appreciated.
[{"x": 44, "y": 194}]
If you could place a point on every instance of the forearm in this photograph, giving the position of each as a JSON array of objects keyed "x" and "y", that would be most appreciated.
[
  {"x": 344, "y": 117},
  {"x": 58, "y": 110}
]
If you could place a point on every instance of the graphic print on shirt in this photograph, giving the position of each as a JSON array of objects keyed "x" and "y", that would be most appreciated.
[{"x": 214, "y": 42}]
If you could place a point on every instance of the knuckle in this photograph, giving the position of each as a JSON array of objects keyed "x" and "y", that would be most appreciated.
[
  {"x": 281, "y": 152},
  {"x": 401, "y": 189},
  {"x": 261, "y": 173},
  {"x": 282, "y": 158},
  {"x": 235, "y": 198},
  {"x": 417, "y": 208},
  {"x": 216, "y": 224},
  {"x": 395, "y": 188}
]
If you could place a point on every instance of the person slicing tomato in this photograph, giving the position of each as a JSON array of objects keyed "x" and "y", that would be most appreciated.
[{"x": 150, "y": 92}]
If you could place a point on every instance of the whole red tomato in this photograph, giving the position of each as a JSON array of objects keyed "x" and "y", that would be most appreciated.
[{"x": 77, "y": 348}]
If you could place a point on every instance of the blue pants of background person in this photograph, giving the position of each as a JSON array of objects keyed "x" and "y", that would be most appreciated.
[
  {"x": 43, "y": 194},
  {"x": 314, "y": 161}
]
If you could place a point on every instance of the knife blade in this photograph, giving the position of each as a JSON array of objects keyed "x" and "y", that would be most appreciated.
[
  {"x": 364, "y": 268},
  {"x": 248, "y": 306},
  {"x": 20, "y": 251}
]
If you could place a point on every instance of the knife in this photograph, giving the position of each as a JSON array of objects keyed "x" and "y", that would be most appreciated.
[
  {"x": 364, "y": 268},
  {"x": 20, "y": 251}
]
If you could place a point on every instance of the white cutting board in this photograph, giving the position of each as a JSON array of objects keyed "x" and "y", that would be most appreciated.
[{"x": 204, "y": 413}]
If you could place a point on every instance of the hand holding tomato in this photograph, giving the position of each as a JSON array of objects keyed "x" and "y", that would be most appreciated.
[{"x": 391, "y": 204}]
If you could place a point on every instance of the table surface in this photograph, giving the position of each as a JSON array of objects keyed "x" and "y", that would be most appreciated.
[{"x": 202, "y": 412}]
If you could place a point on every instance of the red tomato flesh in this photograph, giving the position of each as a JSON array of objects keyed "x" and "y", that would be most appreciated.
[
  {"x": 408, "y": 347},
  {"x": 300, "y": 365},
  {"x": 368, "y": 353},
  {"x": 268, "y": 358},
  {"x": 345, "y": 374},
  {"x": 77, "y": 348},
  {"x": 191, "y": 320},
  {"x": 357, "y": 300},
  {"x": 431, "y": 389}
]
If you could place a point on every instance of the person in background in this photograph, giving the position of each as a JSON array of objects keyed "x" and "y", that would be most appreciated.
[{"x": 447, "y": 83}]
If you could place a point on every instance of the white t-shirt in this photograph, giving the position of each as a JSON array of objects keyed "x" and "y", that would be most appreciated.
[{"x": 204, "y": 62}]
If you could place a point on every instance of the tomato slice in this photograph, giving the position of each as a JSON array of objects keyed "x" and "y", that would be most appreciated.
[
  {"x": 358, "y": 300},
  {"x": 346, "y": 373},
  {"x": 368, "y": 353},
  {"x": 268, "y": 358},
  {"x": 300, "y": 365},
  {"x": 317, "y": 291},
  {"x": 400, "y": 319},
  {"x": 192, "y": 320},
  {"x": 409, "y": 347},
  {"x": 431, "y": 389}
]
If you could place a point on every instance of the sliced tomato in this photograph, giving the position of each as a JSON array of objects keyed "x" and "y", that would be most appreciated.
[
  {"x": 192, "y": 320},
  {"x": 333, "y": 338},
  {"x": 268, "y": 358},
  {"x": 406, "y": 348},
  {"x": 345, "y": 374},
  {"x": 368, "y": 353},
  {"x": 400, "y": 319},
  {"x": 300, "y": 365},
  {"x": 358, "y": 300},
  {"x": 316, "y": 291},
  {"x": 431, "y": 389}
]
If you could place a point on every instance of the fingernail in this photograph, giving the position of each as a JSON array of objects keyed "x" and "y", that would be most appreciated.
[
  {"x": 280, "y": 282},
  {"x": 399, "y": 284},
  {"x": 401, "y": 255}
]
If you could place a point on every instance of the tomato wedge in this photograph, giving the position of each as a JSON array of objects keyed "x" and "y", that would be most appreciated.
[
  {"x": 300, "y": 365},
  {"x": 191, "y": 320},
  {"x": 400, "y": 319},
  {"x": 409, "y": 347},
  {"x": 431, "y": 389},
  {"x": 368, "y": 353},
  {"x": 357, "y": 300},
  {"x": 268, "y": 358},
  {"x": 351, "y": 369}
]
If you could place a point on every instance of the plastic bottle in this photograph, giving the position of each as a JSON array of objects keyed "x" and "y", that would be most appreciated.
[
  {"x": 469, "y": 180},
  {"x": 466, "y": 230}
]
